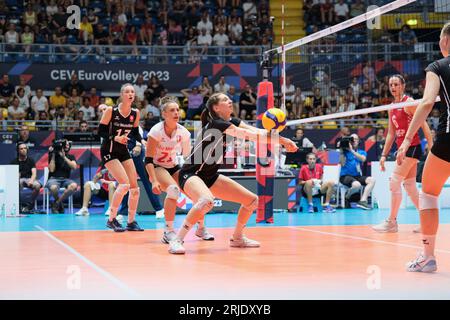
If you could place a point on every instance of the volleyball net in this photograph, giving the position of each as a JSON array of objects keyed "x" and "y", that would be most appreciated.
[{"x": 345, "y": 66}]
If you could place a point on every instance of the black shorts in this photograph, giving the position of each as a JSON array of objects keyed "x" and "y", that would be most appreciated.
[
  {"x": 171, "y": 171},
  {"x": 119, "y": 152},
  {"x": 414, "y": 152},
  {"x": 441, "y": 147},
  {"x": 185, "y": 175},
  {"x": 348, "y": 180}
]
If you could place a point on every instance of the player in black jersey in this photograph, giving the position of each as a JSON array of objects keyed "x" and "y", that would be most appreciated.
[
  {"x": 116, "y": 125},
  {"x": 437, "y": 165},
  {"x": 199, "y": 176}
]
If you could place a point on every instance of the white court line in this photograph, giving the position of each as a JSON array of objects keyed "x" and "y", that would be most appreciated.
[
  {"x": 365, "y": 239},
  {"x": 132, "y": 293}
]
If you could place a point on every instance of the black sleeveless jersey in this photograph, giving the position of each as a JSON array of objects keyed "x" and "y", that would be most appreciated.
[
  {"x": 120, "y": 125},
  {"x": 209, "y": 148},
  {"x": 442, "y": 69}
]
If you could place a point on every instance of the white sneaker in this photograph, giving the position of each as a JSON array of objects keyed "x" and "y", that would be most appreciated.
[
  {"x": 119, "y": 217},
  {"x": 82, "y": 212},
  {"x": 244, "y": 242},
  {"x": 386, "y": 226},
  {"x": 422, "y": 264},
  {"x": 204, "y": 234},
  {"x": 176, "y": 246},
  {"x": 168, "y": 236},
  {"x": 417, "y": 230},
  {"x": 160, "y": 214}
]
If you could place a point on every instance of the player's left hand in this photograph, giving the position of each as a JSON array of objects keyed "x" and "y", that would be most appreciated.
[{"x": 401, "y": 152}]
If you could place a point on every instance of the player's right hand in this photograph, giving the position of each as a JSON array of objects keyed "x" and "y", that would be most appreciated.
[
  {"x": 156, "y": 187},
  {"x": 382, "y": 161}
]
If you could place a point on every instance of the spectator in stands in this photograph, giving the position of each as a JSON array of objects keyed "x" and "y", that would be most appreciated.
[
  {"x": 141, "y": 7},
  {"x": 11, "y": 38},
  {"x": 101, "y": 35},
  {"x": 205, "y": 88},
  {"x": 298, "y": 102},
  {"x": 29, "y": 16},
  {"x": 325, "y": 85},
  {"x": 407, "y": 38},
  {"x": 42, "y": 32},
  {"x": 24, "y": 86},
  {"x": 433, "y": 119},
  {"x": 220, "y": 19},
  {"x": 351, "y": 158},
  {"x": 357, "y": 8},
  {"x": 150, "y": 121},
  {"x": 24, "y": 136},
  {"x": 332, "y": 102},
  {"x": 367, "y": 98},
  {"x": 86, "y": 31},
  {"x": 92, "y": 18},
  {"x": 15, "y": 112},
  {"x": 369, "y": 75},
  {"x": 60, "y": 166},
  {"x": 131, "y": 39},
  {"x": 249, "y": 8},
  {"x": 205, "y": 23},
  {"x": 327, "y": 13},
  {"x": 94, "y": 99},
  {"x": 6, "y": 91},
  {"x": 39, "y": 102},
  {"x": 356, "y": 87},
  {"x": 311, "y": 178},
  {"x": 28, "y": 176},
  {"x": 153, "y": 108},
  {"x": 116, "y": 32},
  {"x": 301, "y": 140},
  {"x": 60, "y": 35},
  {"x": 24, "y": 102},
  {"x": 154, "y": 88},
  {"x": 235, "y": 31},
  {"x": 384, "y": 96},
  {"x": 351, "y": 99},
  {"x": 243, "y": 114},
  {"x": 204, "y": 40},
  {"x": 341, "y": 11},
  {"x": 57, "y": 99},
  {"x": 43, "y": 116},
  {"x": 102, "y": 185},
  {"x": 110, "y": 5},
  {"x": 175, "y": 33},
  {"x": 27, "y": 38},
  {"x": 147, "y": 31},
  {"x": 418, "y": 92},
  {"x": 83, "y": 127},
  {"x": 73, "y": 84},
  {"x": 318, "y": 101},
  {"x": 191, "y": 37},
  {"x": 121, "y": 17},
  {"x": 232, "y": 94},
  {"x": 75, "y": 98},
  {"x": 191, "y": 16},
  {"x": 290, "y": 91},
  {"x": 195, "y": 102},
  {"x": 129, "y": 7},
  {"x": 222, "y": 86},
  {"x": 88, "y": 111},
  {"x": 220, "y": 39},
  {"x": 139, "y": 88},
  {"x": 249, "y": 37},
  {"x": 247, "y": 100}
]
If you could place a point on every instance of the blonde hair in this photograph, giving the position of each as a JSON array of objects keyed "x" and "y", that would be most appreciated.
[
  {"x": 122, "y": 88},
  {"x": 166, "y": 100},
  {"x": 446, "y": 29}
]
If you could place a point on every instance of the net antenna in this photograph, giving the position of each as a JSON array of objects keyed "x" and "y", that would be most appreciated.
[{"x": 369, "y": 15}]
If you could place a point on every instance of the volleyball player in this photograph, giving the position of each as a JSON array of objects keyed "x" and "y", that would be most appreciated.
[
  {"x": 116, "y": 124},
  {"x": 165, "y": 139},
  {"x": 199, "y": 178},
  {"x": 437, "y": 165},
  {"x": 399, "y": 120}
]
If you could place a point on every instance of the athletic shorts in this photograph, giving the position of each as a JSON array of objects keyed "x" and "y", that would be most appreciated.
[
  {"x": 59, "y": 182},
  {"x": 171, "y": 171},
  {"x": 348, "y": 180},
  {"x": 103, "y": 194},
  {"x": 414, "y": 152},
  {"x": 119, "y": 152},
  {"x": 185, "y": 175},
  {"x": 441, "y": 147}
]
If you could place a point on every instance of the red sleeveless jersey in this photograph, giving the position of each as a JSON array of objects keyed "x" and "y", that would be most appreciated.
[{"x": 401, "y": 121}]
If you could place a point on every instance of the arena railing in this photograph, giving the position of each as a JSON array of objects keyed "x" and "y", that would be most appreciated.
[
  {"x": 71, "y": 125},
  {"x": 328, "y": 52}
]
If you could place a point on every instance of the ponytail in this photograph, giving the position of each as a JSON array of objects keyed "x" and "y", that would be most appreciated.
[
  {"x": 208, "y": 113},
  {"x": 205, "y": 117}
]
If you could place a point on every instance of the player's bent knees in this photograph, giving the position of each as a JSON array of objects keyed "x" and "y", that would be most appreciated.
[
  {"x": 204, "y": 204},
  {"x": 252, "y": 205},
  {"x": 173, "y": 192}
]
